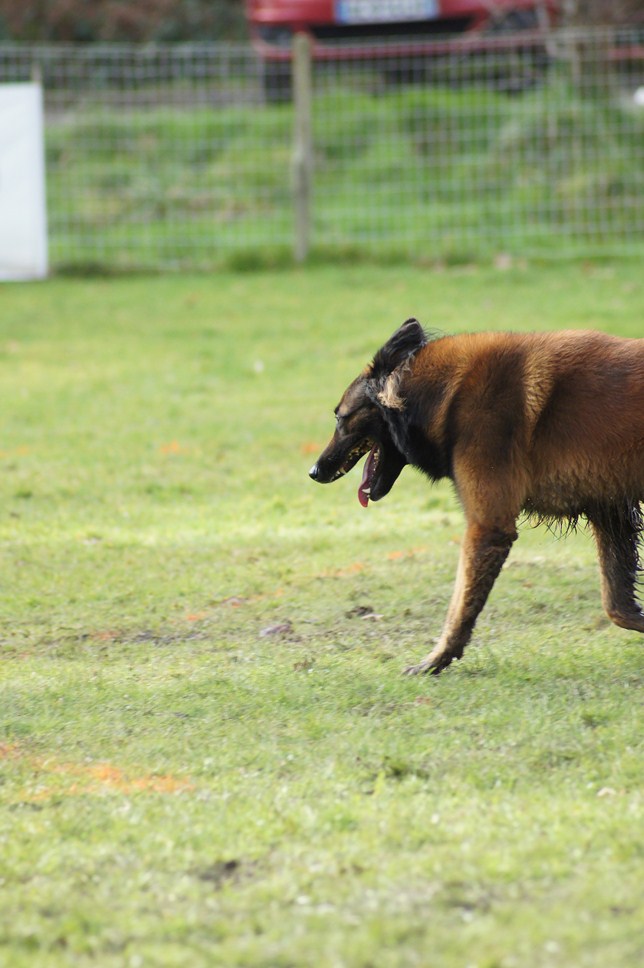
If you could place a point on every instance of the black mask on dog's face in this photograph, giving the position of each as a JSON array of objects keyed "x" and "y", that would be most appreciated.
[{"x": 361, "y": 424}]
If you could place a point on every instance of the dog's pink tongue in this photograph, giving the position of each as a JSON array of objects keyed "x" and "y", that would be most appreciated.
[{"x": 367, "y": 474}]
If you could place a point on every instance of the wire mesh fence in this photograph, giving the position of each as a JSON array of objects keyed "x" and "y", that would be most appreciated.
[{"x": 181, "y": 156}]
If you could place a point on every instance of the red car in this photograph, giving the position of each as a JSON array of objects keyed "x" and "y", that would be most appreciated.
[{"x": 353, "y": 29}]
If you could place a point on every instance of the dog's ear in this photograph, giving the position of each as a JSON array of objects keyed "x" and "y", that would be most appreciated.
[{"x": 406, "y": 341}]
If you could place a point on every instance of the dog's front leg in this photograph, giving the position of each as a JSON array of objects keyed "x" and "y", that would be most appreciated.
[{"x": 483, "y": 551}]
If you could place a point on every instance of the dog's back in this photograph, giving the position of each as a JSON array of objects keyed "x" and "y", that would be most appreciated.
[{"x": 562, "y": 413}]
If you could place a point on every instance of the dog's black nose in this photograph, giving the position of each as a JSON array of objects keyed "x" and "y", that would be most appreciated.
[{"x": 313, "y": 473}]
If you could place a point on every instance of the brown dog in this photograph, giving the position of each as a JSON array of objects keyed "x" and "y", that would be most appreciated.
[{"x": 551, "y": 424}]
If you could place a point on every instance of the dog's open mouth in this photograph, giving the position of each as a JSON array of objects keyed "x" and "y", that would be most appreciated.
[
  {"x": 369, "y": 470},
  {"x": 352, "y": 458},
  {"x": 368, "y": 474}
]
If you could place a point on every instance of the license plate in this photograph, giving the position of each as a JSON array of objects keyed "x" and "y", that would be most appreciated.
[{"x": 385, "y": 11}]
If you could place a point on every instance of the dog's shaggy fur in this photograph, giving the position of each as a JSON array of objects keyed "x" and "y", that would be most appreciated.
[{"x": 548, "y": 424}]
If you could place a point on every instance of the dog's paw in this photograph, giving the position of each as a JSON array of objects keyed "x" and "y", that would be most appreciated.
[
  {"x": 432, "y": 664},
  {"x": 633, "y": 621}
]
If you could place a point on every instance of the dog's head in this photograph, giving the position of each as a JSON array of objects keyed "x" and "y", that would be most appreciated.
[{"x": 364, "y": 419}]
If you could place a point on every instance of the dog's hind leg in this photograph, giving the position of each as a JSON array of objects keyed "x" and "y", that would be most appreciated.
[
  {"x": 617, "y": 530},
  {"x": 483, "y": 552}
]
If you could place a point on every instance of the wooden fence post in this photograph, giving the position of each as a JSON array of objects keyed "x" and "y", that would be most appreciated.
[{"x": 302, "y": 145}]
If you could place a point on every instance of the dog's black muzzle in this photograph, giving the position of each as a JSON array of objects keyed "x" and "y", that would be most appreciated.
[{"x": 338, "y": 458}]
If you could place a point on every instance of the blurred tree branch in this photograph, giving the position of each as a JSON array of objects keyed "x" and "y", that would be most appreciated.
[
  {"x": 597, "y": 13},
  {"x": 121, "y": 20}
]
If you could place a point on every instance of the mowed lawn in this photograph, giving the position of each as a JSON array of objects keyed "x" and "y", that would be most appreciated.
[{"x": 208, "y": 753}]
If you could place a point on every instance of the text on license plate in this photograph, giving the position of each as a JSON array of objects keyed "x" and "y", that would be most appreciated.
[{"x": 382, "y": 11}]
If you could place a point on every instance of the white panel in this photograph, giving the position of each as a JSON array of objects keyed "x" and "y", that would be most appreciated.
[{"x": 23, "y": 220}]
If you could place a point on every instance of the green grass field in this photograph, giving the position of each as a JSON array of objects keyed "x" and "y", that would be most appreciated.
[{"x": 208, "y": 753}]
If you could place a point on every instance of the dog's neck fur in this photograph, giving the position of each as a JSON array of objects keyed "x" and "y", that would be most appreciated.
[{"x": 409, "y": 416}]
